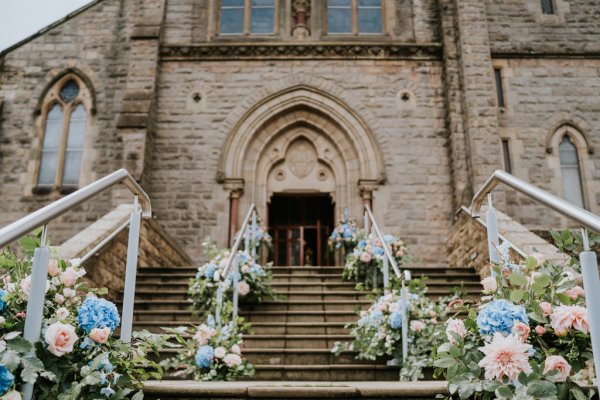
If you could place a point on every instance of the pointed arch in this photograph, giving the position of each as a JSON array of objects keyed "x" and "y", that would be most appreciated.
[{"x": 76, "y": 72}]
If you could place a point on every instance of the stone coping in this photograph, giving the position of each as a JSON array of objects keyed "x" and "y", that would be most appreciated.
[{"x": 301, "y": 389}]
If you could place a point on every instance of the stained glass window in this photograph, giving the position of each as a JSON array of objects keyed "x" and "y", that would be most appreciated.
[{"x": 69, "y": 91}]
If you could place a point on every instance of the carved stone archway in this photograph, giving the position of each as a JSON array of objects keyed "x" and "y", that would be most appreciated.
[{"x": 275, "y": 143}]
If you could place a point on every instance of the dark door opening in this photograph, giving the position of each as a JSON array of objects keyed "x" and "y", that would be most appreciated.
[{"x": 300, "y": 226}]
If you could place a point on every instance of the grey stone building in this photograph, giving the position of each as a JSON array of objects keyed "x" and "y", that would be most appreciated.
[{"x": 305, "y": 108}]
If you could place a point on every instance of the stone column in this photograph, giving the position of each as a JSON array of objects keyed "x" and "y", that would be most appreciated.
[
  {"x": 366, "y": 188},
  {"x": 235, "y": 187},
  {"x": 301, "y": 12}
]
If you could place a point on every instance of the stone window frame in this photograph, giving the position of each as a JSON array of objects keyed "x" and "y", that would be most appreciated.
[
  {"x": 247, "y": 11},
  {"x": 50, "y": 97},
  {"x": 561, "y": 8},
  {"x": 355, "y": 33},
  {"x": 584, "y": 148}
]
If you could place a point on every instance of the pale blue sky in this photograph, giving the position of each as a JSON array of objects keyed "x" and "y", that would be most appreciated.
[{"x": 22, "y": 18}]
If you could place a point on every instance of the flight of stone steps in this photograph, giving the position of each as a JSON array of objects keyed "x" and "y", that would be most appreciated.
[{"x": 292, "y": 337}]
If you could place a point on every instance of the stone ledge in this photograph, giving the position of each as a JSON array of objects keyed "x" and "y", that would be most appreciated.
[{"x": 296, "y": 389}]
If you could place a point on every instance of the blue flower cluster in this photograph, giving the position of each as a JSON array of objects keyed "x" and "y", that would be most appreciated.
[
  {"x": 345, "y": 232},
  {"x": 372, "y": 318},
  {"x": 6, "y": 379},
  {"x": 3, "y": 294},
  {"x": 395, "y": 320},
  {"x": 257, "y": 270},
  {"x": 205, "y": 356},
  {"x": 211, "y": 268},
  {"x": 97, "y": 313},
  {"x": 500, "y": 316}
]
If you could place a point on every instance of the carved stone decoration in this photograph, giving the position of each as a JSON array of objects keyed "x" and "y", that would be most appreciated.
[
  {"x": 301, "y": 14},
  {"x": 301, "y": 158}
]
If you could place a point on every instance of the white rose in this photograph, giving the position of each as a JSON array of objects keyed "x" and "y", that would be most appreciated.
[
  {"x": 232, "y": 360},
  {"x": 69, "y": 293},
  {"x": 62, "y": 313},
  {"x": 12, "y": 395},
  {"x": 59, "y": 298},
  {"x": 220, "y": 352},
  {"x": 236, "y": 349}
]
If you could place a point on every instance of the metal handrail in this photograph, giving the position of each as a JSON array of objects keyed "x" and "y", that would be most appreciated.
[
  {"x": 103, "y": 243},
  {"x": 386, "y": 250},
  {"x": 238, "y": 240},
  {"x": 563, "y": 207},
  {"x": 44, "y": 215},
  {"x": 588, "y": 259},
  {"x": 41, "y": 257}
]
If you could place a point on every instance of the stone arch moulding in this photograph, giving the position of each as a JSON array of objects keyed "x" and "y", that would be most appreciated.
[
  {"x": 67, "y": 71},
  {"x": 577, "y": 127},
  {"x": 344, "y": 143}
]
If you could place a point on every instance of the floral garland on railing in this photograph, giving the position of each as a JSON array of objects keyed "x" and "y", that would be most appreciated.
[
  {"x": 377, "y": 334},
  {"x": 257, "y": 236},
  {"x": 77, "y": 356},
  {"x": 527, "y": 339},
  {"x": 210, "y": 352},
  {"x": 254, "y": 280},
  {"x": 344, "y": 235},
  {"x": 365, "y": 263}
]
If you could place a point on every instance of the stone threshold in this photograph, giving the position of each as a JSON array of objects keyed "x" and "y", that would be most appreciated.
[{"x": 298, "y": 389}]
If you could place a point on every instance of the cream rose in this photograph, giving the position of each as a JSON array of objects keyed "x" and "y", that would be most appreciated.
[
  {"x": 365, "y": 257},
  {"x": 243, "y": 288},
  {"x": 565, "y": 317},
  {"x": 53, "y": 268},
  {"x": 489, "y": 285},
  {"x": 69, "y": 293},
  {"x": 220, "y": 352},
  {"x": 559, "y": 364},
  {"x": 62, "y": 313},
  {"x": 417, "y": 326},
  {"x": 232, "y": 360},
  {"x": 546, "y": 308},
  {"x": 236, "y": 349},
  {"x": 60, "y": 338},
  {"x": 245, "y": 269},
  {"x": 59, "y": 298},
  {"x": 100, "y": 335}
]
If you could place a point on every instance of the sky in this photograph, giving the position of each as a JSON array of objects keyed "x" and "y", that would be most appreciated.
[{"x": 22, "y": 18}]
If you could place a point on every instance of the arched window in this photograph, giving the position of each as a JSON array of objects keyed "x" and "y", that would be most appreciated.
[
  {"x": 571, "y": 173},
  {"x": 63, "y": 134}
]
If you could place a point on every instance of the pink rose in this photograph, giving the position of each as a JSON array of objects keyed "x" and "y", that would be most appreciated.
[
  {"x": 59, "y": 298},
  {"x": 546, "y": 308},
  {"x": 69, "y": 277},
  {"x": 557, "y": 363},
  {"x": 53, "y": 268},
  {"x": 400, "y": 253},
  {"x": 100, "y": 335},
  {"x": 243, "y": 288},
  {"x": 575, "y": 292},
  {"x": 417, "y": 326},
  {"x": 236, "y": 349},
  {"x": 245, "y": 269},
  {"x": 381, "y": 307},
  {"x": 60, "y": 338},
  {"x": 540, "y": 330},
  {"x": 489, "y": 285},
  {"x": 62, "y": 313},
  {"x": 204, "y": 334},
  {"x": 232, "y": 360},
  {"x": 457, "y": 326},
  {"x": 522, "y": 330},
  {"x": 365, "y": 257},
  {"x": 565, "y": 317}
]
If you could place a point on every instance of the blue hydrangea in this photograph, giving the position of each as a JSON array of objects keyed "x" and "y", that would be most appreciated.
[
  {"x": 97, "y": 313},
  {"x": 3, "y": 294},
  {"x": 378, "y": 251},
  {"x": 211, "y": 268},
  {"x": 500, "y": 316},
  {"x": 210, "y": 321},
  {"x": 205, "y": 356},
  {"x": 6, "y": 379},
  {"x": 395, "y": 320},
  {"x": 257, "y": 270},
  {"x": 243, "y": 258}
]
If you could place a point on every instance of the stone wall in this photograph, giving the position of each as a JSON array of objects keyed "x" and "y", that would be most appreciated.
[{"x": 106, "y": 268}]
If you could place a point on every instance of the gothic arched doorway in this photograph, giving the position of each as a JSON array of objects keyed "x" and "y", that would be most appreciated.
[{"x": 300, "y": 141}]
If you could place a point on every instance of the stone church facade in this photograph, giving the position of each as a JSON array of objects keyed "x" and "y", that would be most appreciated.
[{"x": 407, "y": 105}]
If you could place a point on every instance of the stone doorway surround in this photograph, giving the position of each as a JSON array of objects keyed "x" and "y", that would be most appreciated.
[{"x": 300, "y": 139}]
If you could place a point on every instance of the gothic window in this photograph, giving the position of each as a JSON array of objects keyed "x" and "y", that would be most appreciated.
[
  {"x": 499, "y": 88},
  {"x": 254, "y": 17},
  {"x": 547, "y": 6},
  {"x": 63, "y": 134},
  {"x": 571, "y": 173},
  {"x": 347, "y": 17}
]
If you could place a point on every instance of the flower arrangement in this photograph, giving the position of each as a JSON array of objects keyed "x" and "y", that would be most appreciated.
[
  {"x": 253, "y": 281},
  {"x": 365, "y": 264},
  {"x": 77, "y": 356},
  {"x": 344, "y": 234},
  {"x": 257, "y": 236},
  {"x": 212, "y": 353},
  {"x": 377, "y": 334},
  {"x": 527, "y": 338}
]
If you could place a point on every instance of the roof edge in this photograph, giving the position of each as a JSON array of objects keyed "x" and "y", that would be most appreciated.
[{"x": 45, "y": 29}]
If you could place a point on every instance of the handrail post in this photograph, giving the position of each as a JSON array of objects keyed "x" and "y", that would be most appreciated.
[
  {"x": 366, "y": 223},
  {"x": 591, "y": 285},
  {"x": 492, "y": 234},
  {"x": 131, "y": 272},
  {"x": 37, "y": 297},
  {"x": 386, "y": 274},
  {"x": 404, "y": 303},
  {"x": 236, "y": 265},
  {"x": 253, "y": 235},
  {"x": 218, "y": 309}
]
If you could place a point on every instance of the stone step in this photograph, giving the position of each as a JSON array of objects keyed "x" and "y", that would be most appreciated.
[
  {"x": 252, "y": 316},
  {"x": 326, "y": 372},
  {"x": 262, "y": 328},
  {"x": 268, "y": 305},
  {"x": 254, "y": 341},
  {"x": 298, "y": 390}
]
